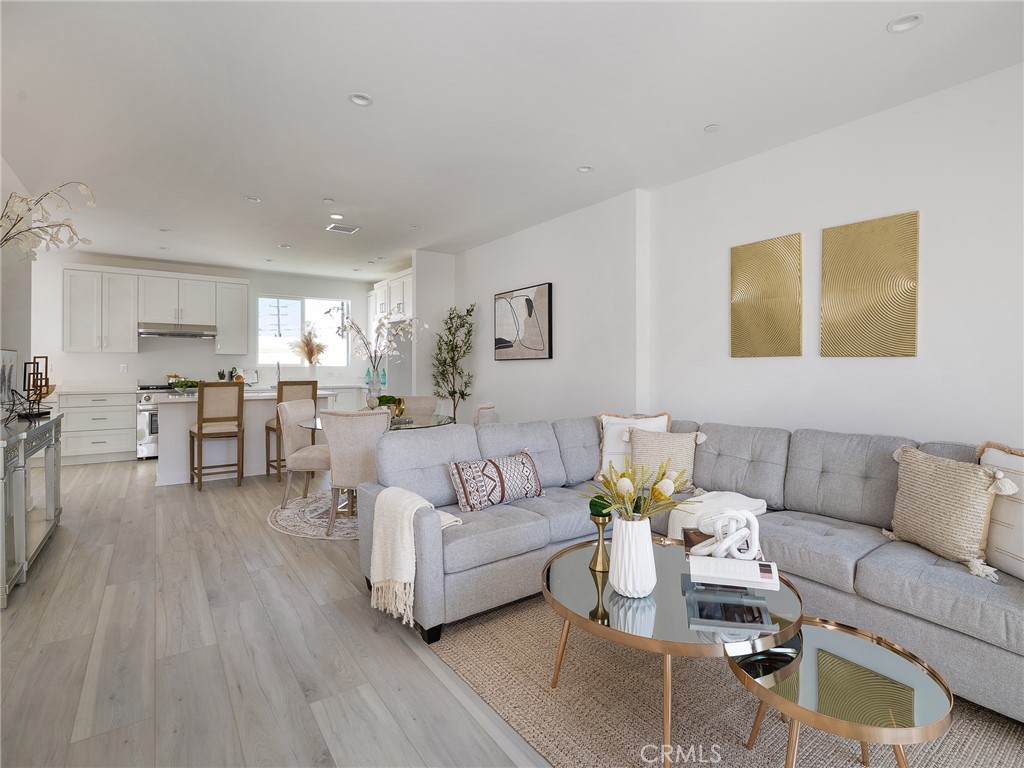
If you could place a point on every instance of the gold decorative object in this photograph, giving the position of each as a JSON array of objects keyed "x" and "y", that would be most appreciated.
[
  {"x": 600, "y": 613},
  {"x": 599, "y": 562},
  {"x": 766, "y": 298},
  {"x": 856, "y": 694},
  {"x": 869, "y": 288},
  {"x": 400, "y": 407}
]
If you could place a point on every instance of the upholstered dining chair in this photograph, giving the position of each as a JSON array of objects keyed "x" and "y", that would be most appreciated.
[
  {"x": 299, "y": 452},
  {"x": 352, "y": 439},
  {"x": 484, "y": 414},
  {"x": 218, "y": 417},
  {"x": 286, "y": 391},
  {"x": 419, "y": 405}
]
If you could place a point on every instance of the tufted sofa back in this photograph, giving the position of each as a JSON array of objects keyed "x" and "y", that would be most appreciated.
[{"x": 750, "y": 460}]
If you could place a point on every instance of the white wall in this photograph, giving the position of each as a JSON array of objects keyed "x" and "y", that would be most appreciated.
[
  {"x": 589, "y": 258},
  {"x": 434, "y": 288},
  {"x": 955, "y": 156},
  {"x": 15, "y": 287},
  {"x": 189, "y": 357}
]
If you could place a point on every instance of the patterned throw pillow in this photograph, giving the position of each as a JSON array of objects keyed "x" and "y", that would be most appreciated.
[
  {"x": 483, "y": 483},
  {"x": 614, "y": 430},
  {"x": 944, "y": 505},
  {"x": 1005, "y": 548},
  {"x": 677, "y": 449}
]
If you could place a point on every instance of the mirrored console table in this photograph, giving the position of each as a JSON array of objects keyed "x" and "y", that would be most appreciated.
[{"x": 22, "y": 534}]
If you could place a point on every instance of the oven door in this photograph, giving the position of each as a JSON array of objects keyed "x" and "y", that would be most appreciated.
[{"x": 147, "y": 431}]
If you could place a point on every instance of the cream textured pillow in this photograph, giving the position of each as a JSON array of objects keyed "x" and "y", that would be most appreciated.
[
  {"x": 1005, "y": 548},
  {"x": 676, "y": 449},
  {"x": 943, "y": 505},
  {"x": 614, "y": 430}
]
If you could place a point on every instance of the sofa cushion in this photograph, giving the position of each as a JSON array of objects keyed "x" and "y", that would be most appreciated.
[
  {"x": 749, "y": 460},
  {"x": 817, "y": 547},
  {"x": 682, "y": 425},
  {"x": 615, "y": 429},
  {"x": 482, "y": 483},
  {"x": 537, "y": 437},
  {"x": 848, "y": 477},
  {"x": 909, "y": 578},
  {"x": 567, "y": 512},
  {"x": 579, "y": 443},
  {"x": 964, "y": 452},
  {"x": 490, "y": 535},
  {"x": 417, "y": 459}
]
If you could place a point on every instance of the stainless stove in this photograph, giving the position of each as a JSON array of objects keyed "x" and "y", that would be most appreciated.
[{"x": 147, "y": 399}]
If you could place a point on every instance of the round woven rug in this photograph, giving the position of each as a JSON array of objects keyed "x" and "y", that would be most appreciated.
[
  {"x": 606, "y": 710},
  {"x": 308, "y": 518}
]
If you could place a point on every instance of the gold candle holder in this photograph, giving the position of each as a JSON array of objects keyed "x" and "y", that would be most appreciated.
[
  {"x": 599, "y": 562},
  {"x": 600, "y": 613}
]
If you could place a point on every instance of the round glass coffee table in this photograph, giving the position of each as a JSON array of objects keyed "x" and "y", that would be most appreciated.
[
  {"x": 848, "y": 682},
  {"x": 677, "y": 619}
]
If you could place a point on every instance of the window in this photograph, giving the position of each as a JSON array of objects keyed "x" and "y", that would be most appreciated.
[{"x": 282, "y": 320}]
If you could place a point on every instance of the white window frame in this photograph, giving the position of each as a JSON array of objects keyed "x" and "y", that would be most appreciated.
[{"x": 346, "y": 306}]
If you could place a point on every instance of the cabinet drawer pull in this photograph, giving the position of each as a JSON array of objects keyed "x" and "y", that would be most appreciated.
[
  {"x": 99, "y": 399},
  {"x": 99, "y": 442},
  {"x": 99, "y": 418}
]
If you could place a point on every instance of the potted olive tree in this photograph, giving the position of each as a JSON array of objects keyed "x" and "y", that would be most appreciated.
[{"x": 454, "y": 343}]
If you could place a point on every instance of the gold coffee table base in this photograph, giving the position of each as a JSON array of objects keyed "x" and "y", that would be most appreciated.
[{"x": 794, "y": 741}]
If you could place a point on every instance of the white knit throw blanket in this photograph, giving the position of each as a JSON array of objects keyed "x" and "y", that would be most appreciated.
[{"x": 393, "y": 558}]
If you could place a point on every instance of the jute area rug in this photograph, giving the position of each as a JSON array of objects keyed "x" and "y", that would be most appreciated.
[
  {"x": 308, "y": 518},
  {"x": 606, "y": 710}
]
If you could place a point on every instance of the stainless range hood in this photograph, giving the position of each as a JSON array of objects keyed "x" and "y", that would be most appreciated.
[{"x": 177, "y": 331}]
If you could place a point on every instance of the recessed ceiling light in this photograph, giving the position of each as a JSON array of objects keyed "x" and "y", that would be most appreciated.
[
  {"x": 360, "y": 99},
  {"x": 712, "y": 128},
  {"x": 905, "y": 23},
  {"x": 253, "y": 199},
  {"x": 328, "y": 201},
  {"x": 284, "y": 245},
  {"x": 380, "y": 258},
  {"x": 165, "y": 230},
  {"x": 585, "y": 168},
  {"x": 414, "y": 226},
  {"x": 337, "y": 216}
]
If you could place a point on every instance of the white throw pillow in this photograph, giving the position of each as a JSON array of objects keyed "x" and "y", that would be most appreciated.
[
  {"x": 615, "y": 435},
  {"x": 1005, "y": 547}
]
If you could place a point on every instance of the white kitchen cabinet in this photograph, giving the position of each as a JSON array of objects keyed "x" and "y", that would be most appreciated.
[
  {"x": 120, "y": 315},
  {"x": 406, "y": 307},
  {"x": 169, "y": 300},
  {"x": 395, "y": 295},
  {"x": 100, "y": 312},
  {"x": 232, "y": 319},
  {"x": 98, "y": 426}
]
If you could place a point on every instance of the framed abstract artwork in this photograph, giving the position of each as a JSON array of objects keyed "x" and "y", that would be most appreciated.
[
  {"x": 522, "y": 323},
  {"x": 766, "y": 298}
]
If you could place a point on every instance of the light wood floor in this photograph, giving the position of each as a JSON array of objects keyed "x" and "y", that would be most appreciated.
[{"x": 165, "y": 627}]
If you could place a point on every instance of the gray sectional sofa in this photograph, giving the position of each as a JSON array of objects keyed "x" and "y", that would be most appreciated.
[{"x": 828, "y": 496}]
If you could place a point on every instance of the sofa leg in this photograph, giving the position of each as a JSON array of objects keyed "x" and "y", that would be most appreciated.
[{"x": 431, "y": 635}]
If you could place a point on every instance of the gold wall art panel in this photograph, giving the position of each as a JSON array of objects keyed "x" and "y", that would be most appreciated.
[
  {"x": 766, "y": 298},
  {"x": 848, "y": 691},
  {"x": 869, "y": 288}
]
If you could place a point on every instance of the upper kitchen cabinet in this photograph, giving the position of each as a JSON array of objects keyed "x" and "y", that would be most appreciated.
[
  {"x": 170, "y": 300},
  {"x": 394, "y": 295},
  {"x": 100, "y": 312},
  {"x": 232, "y": 319}
]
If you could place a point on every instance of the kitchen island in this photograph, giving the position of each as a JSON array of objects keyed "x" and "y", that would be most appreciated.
[{"x": 179, "y": 413}]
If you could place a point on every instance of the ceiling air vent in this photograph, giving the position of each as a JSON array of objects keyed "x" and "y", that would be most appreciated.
[{"x": 343, "y": 228}]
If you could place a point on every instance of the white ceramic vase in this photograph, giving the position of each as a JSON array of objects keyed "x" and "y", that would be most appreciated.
[{"x": 631, "y": 571}]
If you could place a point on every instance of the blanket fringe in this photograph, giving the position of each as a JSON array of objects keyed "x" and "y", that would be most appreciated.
[
  {"x": 890, "y": 535},
  {"x": 394, "y": 598},
  {"x": 983, "y": 569}
]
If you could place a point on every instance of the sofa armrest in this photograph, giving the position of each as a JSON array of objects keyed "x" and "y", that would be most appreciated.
[{"x": 428, "y": 599}]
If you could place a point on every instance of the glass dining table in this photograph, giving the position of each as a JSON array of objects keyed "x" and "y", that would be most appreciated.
[{"x": 421, "y": 421}]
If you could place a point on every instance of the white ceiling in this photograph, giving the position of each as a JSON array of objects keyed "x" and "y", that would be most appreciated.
[{"x": 174, "y": 112}]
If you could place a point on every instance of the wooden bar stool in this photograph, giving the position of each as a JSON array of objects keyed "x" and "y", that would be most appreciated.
[
  {"x": 219, "y": 417},
  {"x": 286, "y": 392}
]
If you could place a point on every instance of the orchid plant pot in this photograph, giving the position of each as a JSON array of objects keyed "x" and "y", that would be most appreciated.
[
  {"x": 374, "y": 387},
  {"x": 631, "y": 571}
]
